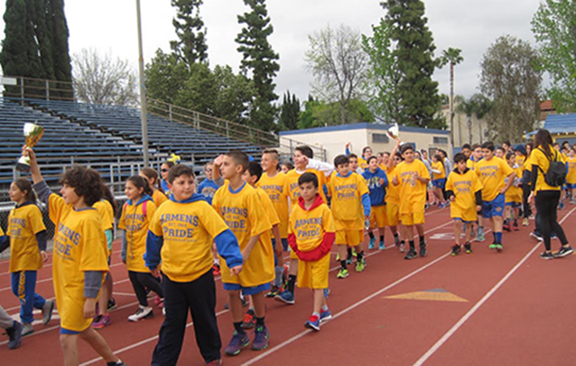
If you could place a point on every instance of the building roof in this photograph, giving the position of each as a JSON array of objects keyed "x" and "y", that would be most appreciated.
[
  {"x": 364, "y": 126},
  {"x": 560, "y": 123},
  {"x": 546, "y": 105}
]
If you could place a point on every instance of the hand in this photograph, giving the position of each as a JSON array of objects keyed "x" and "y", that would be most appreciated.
[
  {"x": 452, "y": 198},
  {"x": 348, "y": 145},
  {"x": 235, "y": 271},
  {"x": 44, "y": 256},
  {"x": 306, "y": 160},
  {"x": 218, "y": 160},
  {"x": 531, "y": 198},
  {"x": 89, "y": 308},
  {"x": 26, "y": 151},
  {"x": 395, "y": 180},
  {"x": 503, "y": 190},
  {"x": 123, "y": 260},
  {"x": 478, "y": 208}
]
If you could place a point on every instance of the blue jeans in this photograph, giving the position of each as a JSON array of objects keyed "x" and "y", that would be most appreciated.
[{"x": 23, "y": 286}]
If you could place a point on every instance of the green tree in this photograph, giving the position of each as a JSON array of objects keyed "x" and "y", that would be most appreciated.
[
  {"x": 166, "y": 76},
  {"x": 289, "y": 112},
  {"x": 234, "y": 94},
  {"x": 476, "y": 106},
  {"x": 554, "y": 27},
  {"x": 259, "y": 62},
  {"x": 317, "y": 113},
  {"x": 191, "y": 44},
  {"x": 199, "y": 92},
  {"x": 509, "y": 77},
  {"x": 452, "y": 57},
  {"x": 419, "y": 99}
]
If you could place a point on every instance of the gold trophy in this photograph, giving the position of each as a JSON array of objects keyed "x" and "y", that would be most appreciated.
[
  {"x": 33, "y": 133},
  {"x": 394, "y": 131}
]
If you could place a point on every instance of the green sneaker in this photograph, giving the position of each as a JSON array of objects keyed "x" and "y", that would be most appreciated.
[
  {"x": 498, "y": 247},
  {"x": 360, "y": 265},
  {"x": 492, "y": 246},
  {"x": 343, "y": 273}
]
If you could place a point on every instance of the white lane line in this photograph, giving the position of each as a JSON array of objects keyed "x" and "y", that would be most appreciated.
[{"x": 471, "y": 312}]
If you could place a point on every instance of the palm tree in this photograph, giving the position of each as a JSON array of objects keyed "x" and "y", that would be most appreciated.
[
  {"x": 451, "y": 56},
  {"x": 477, "y": 105}
]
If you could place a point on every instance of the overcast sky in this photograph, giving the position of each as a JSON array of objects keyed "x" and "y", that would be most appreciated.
[{"x": 471, "y": 25}]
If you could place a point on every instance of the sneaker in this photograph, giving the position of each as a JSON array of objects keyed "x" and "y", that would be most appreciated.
[
  {"x": 455, "y": 250},
  {"x": 249, "y": 320},
  {"x": 27, "y": 329},
  {"x": 423, "y": 250},
  {"x": 561, "y": 205},
  {"x": 525, "y": 222},
  {"x": 402, "y": 248},
  {"x": 468, "y": 248},
  {"x": 412, "y": 254},
  {"x": 326, "y": 293},
  {"x": 141, "y": 313},
  {"x": 342, "y": 273},
  {"x": 381, "y": 245},
  {"x": 216, "y": 270},
  {"x": 275, "y": 290},
  {"x": 536, "y": 235},
  {"x": 442, "y": 205},
  {"x": 119, "y": 363},
  {"x": 313, "y": 323},
  {"x": 547, "y": 255},
  {"x": 47, "y": 311},
  {"x": 14, "y": 335},
  {"x": 563, "y": 252},
  {"x": 337, "y": 257},
  {"x": 515, "y": 226},
  {"x": 236, "y": 344},
  {"x": 214, "y": 363},
  {"x": 325, "y": 315},
  {"x": 261, "y": 336},
  {"x": 506, "y": 227},
  {"x": 286, "y": 297},
  {"x": 498, "y": 247},
  {"x": 553, "y": 236},
  {"x": 372, "y": 243},
  {"x": 492, "y": 246},
  {"x": 396, "y": 241},
  {"x": 360, "y": 265},
  {"x": 111, "y": 304},
  {"x": 426, "y": 206},
  {"x": 480, "y": 234},
  {"x": 102, "y": 321}
]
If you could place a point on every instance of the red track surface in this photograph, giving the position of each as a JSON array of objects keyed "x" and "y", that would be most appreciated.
[{"x": 518, "y": 312}]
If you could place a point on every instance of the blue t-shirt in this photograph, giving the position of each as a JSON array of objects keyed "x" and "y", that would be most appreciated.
[
  {"x": 377, "y": 189},
  {"x": 207, "y": 188}
]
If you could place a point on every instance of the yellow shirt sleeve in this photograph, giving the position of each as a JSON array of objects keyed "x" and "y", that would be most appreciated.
[
  {"x": 259, "y": 223},
  {"x": 476, "y": 183},
  {"x": 122, "y": 221},
  {"x": 450, "y": 183},
  {"x": 506, "y": 169},
  {"x": 56, "y": 206},
  {"x": 156, "y": 225},
  {"x": 212, "y": 222},
  {"x": 362, "y": 186},
  {"x": 35, "y": 220},
  {"x": 328, "y": 221}
]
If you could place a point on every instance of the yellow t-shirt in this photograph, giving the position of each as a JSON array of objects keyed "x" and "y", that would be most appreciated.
[
  {"x": 492, "y": 173},
  {"x": 79, "y": 246},
  {"x": 24, "y": 223},
  {"x": 243, "y": 213},
  {"x": 188, "y": 230},
  {"x": 267, "y": 206},
  {"x": 159, "y": 198},
  {"x": 136, "y": 225},
  {"x": 464, "y": 187},
  {"x": 292, "y": 190},
  {"x": 411, "y": 191},
  {"x": 106, "y": 212},
  {"x": 439, "y": 167},
  {"x": 538, "y": 158},
  {"x": 309, "y": 227},
  {"x": 392, "y": 191},
  {"x": 346, "y": 193},
  {"x": 520, "y": 159},
  {"x": 274, "y": 187},
  {"x": 571, "y": 175},
  {"x": 514, "y": 194},
  {"x": 362, "y": 162}
]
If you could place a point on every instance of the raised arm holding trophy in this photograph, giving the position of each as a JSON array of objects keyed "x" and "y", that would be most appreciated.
[{"x": 32, "y": 133}]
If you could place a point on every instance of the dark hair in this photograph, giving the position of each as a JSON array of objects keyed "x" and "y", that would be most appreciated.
[
  {"x": 460, "y": 157},
  {"x": 556, "y": 144},
  {"x": 255, "y": 170},
  {"x": 152, "y": 174},
  {"x": 108, "y": 196},
  {"x": 398, "y": 155},
  {"x": 510, "y": 154},
  {"x": 531, "y": 147},
  {"x": 544, "y": 139},
  {"x": 365, "y": 148},
  {"x": 308, "y": 178},
  {"x": 507, "y": 142},
  {"x": 179, "y": 170},
  {"x": 288, "y": 165},
  {"x": 501, "y": 148},
  {"x": 406, "y": 148},
  {"x": 24, "y": 185},
  {"x": 386, "y": 153},
  {"x": 341, "y": 159},
  {"x": 488, "y": 145},
  {"x": 352, "y": 156},
  {"x": 466, "y": 146},
  {"x": 169, "y": 163},
  {"x": 440, "y": 158},
  {"x": 371, "y": 158},
  {"x": 239, "y": 158},
  {"x": 86, "y": 182},
  {"x": 306, "y": 151},
  {"x": 475, "y": 146},
  {"x": 276, "y": 156},
  {"x": 140, "y": 182}
]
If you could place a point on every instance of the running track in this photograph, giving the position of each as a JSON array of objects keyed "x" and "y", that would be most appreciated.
[{"x": 516, "y": 310}]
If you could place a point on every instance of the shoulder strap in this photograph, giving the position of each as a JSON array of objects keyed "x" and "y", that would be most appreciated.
[{"x": 144, "y": 211}]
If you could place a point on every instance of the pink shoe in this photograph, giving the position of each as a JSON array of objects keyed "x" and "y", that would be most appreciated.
[{"x": 103, "y": 322}]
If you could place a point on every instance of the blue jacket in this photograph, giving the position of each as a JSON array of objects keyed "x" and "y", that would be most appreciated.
[
  {"x": 208, "y": 188},
  {"x": 377, "y": 190}
]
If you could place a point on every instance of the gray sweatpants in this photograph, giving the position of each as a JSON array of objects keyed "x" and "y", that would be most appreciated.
[{"x": 6, "y": 321}]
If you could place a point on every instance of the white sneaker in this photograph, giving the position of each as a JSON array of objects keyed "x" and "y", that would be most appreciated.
[{"x": 141, "y": 313}]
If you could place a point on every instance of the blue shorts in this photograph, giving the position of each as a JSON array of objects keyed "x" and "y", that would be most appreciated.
[
  {"x": 247, "y": 290},
  {"x": 570, "y": 186},
  {"x": 493, "y": 208},
  {"x": 465, "y": 222},
  {"x": 439, "y": 183},
  {"x": 69, "y": 332},
  {"x": 514, "y": 204}
]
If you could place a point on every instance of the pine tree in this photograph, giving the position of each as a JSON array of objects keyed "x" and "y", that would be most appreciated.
[
  {"x": 259, "y": 59},
  {"x": 289, "y": 112},
  {"x": 419, "y": 99},
  {"x": 56, "y": 23},
  {"x": 191, "y": 32}
]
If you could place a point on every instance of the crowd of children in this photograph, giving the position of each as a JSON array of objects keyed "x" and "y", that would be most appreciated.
[{"x": 177, "y": 236}]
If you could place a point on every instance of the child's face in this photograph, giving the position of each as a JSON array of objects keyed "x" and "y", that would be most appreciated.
[
  {"x": 380, "y": 158},
  {"x": 477, "y": 153},
  {"x": 164, "y": 169},
  {"x": 499, "y": 153},
  {"x": 397, "y": 160},
  {"x": 367, "y": 153},
  {"x": 268, "y": 162},
  {"x": 343, "y": 169},
  {"x": 284, "y": 169},
  {"x": 248, "y": 178},
  {"x": 132, "y": 192},
  {"x": 300, "y": 160},
  {"x": 353, "y": 164},
  {"x": 461, "y": 165},
  {"x": 308, "y": 191},
  {"x": 385, "y": 159},
  {"x": 408, "y": 155},
  {"x": 208, "y": 171},
  {"x": 571, "y": 153},
  {"x": 69, "y": 195},
  {"x": 229, "y": 168},
  {"x": 182, "y": 187},
  {"x": 16, "y": 195},
  {"x": 373, "y": 165},
  {"x": 512, "y": 160},
  {"x": 467, "y": 152},
  {"x": 487, "y": 154}
]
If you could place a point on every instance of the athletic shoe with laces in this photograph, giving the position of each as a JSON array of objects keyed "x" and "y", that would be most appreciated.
[
  {"x": 249, "y": 320},
  {"x": 536, "y": 235},
  {"x": 360, "y": 265},
  {"x": 47, "y": 311},
  {"x": 14, "y": 335},
  {"x": 27, "y": 329},
  {"x": 101, "y": 321},
  {"x": 498, "y": 247},
  {"x": 506, "y": 227},
  {"x": 563, "y": 252},
  {"x": 261, "y": 336},
  {"x": 111, "y": 304},
  {"x": 455, "y": 250},
  {"x": 553, "y": 236},
  {"x": 325, "y": 315},
  {"x": 275, "y": 290},
  {"x": 525, "y": 222},
  {"x": 402, "y": 248},
  {"x": 119, "y": 363},
  {"x": 468, "y": 248},
  {"x": 286, "y": 297},
  {"x": 480, "y": 235},
  {"x": 342, "y": 273},
  {"x": 423, "y": 249},
  {"x": 141, "y": 313},
  {"x": 546, "y": 255},
  {"x": 412, "y": 254},
  {"x": 372, "y": 243},
  {"x": 313, "y": 323},
  {"x": 237, "y": 343},
  {"x": 515, "y": 226},
  {"x": 381, "y": 245}
]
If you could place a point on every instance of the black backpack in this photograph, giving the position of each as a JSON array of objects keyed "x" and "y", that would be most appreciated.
[{"x": 556, "y": 174}]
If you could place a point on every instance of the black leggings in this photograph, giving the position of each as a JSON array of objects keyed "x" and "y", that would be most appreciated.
[
  {"x": 547, "y": 207},
  {"x": 525, "y": 205},
  {"x": 141, "y": 281}
]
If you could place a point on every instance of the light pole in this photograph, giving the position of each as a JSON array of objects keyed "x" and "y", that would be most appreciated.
[{"x": 143, "y": 109}]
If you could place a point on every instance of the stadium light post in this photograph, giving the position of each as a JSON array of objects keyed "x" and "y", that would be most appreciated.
[{"x": 143, "y": 109}]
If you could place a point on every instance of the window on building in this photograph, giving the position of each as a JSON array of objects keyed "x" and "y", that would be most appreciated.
[
  {"x": 441, "y": 140},
  {"x": 380, "y": 138}
]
